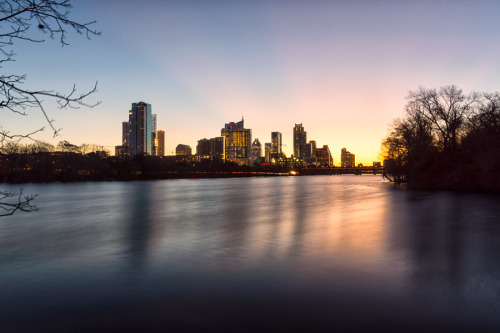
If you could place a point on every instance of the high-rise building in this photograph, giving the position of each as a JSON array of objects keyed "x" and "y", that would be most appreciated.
[
  {"x": 153, "y": 134},
  {"x": 276, "y": 143},
  {"x": 238, "y": 142},
  {"x": 256, "y": 150},
  {"x": 125, "y": 150},
  {"x": 347, "y": 159},
  {"x": 213, "y": 148},
  {"x": 307, "y": 150},
  {"x": 267, "y": 152},
  {"x": 182, "y": 150},
  {"x": 203, "y": 147},
  {"x": 121, "y": 152},
  {"x": 299, "y": 138},
  {"x": 313, "y": 144},
  {"x": 140, "y": 129},
  {"x": 160, "y": 143},
  {"x": 323, "y": 156},
  {"x": 218, "y": 147}
]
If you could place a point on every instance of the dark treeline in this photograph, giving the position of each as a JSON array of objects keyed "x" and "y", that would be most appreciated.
[
  {"x": 446, "y": 140},
  {"x": 44, "y": 167}
]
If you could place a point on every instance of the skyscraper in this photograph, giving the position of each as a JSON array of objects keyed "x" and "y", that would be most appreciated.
[
  {"x": 299, "y": 138},
  {"x": 267, "y": 152},
  {"x": 126, "y": 138},
  {"x": 160, "y": 143},
  {"x": 238, "y": 142},
  {"x": 276, "y": 143},
  {"x": 256, "y": 150},
  {"x": 140, "y": 121},
  {"x": 203, "y": 147},
  {"x": 324, "y": 157},
  {"x": 213, "y": 148},
  {"x": 218, "y": 147},
  {"x": 153, "y": 134},
  {"x": 183, "y": 150},
  {"x": 347, "y": 159}
]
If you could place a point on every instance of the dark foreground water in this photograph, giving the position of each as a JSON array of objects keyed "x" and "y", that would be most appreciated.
[{"x": 253, "y": 254}]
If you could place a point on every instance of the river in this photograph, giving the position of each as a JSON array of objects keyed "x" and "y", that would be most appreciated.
[{"x": 250, "y": 254}]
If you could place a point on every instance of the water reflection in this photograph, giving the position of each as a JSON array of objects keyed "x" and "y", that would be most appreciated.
[
  {"x": 289, "y": 250},
  {"x": 452, "y": 252},
  {"x": 138, "y": 225}
]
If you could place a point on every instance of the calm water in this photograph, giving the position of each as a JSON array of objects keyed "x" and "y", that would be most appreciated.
[{"x": 250, "y": 254}]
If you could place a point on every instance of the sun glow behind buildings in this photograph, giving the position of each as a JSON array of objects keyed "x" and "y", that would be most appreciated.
[{"x": 342, "y": 69}]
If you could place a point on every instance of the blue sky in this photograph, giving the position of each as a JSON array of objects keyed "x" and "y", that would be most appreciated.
[{"x": 342, "y": 68}]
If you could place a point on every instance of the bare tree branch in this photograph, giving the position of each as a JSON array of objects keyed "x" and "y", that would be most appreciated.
[
  {"x": 18, "y": 20},
  {"x": 10, "y": 202}
]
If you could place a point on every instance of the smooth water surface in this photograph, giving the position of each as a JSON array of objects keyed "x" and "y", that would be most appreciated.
[{"x": 250, "y": 254}]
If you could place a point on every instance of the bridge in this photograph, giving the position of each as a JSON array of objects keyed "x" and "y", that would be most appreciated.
[{"x": 342, "y": 171}]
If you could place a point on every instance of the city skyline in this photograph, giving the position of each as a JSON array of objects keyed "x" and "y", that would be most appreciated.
[
  {"x": 234, "y": 145},
  {"x": 343, "y": 69}
]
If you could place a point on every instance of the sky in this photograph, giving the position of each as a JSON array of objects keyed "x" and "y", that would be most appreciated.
[{"x": 341, "y": 68}]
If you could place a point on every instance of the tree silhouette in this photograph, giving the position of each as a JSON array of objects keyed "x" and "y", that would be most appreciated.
[
  {"x": 446, "y": 140},
  {"x": 18, "y": 20}
]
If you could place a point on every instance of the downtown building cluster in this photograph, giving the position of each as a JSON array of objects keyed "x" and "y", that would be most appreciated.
[
  {"x": 140, "y": 136},
  {"x": 139, "y": 133}
]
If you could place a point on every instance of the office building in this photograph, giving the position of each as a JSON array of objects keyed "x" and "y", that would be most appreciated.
[
  {"x": 218, "y": 147},
  {"x": 307, "y": 150},
  {"x": 276, "y": 143},
  {"x": 299, "y": 138},
  {"x": 256, "y": 150},
  {"x": 347, "y": 160},
  {"x": 267, "y": 152},
  {"x": 213, "y": 148},
  {"x": 182, "y": 150},
  {"x": 125, "y": 150},
  {"x": 160, "y": 143},
  {"x": 203, "y": 148},
  {"x": 323, "y": 156},
  {"x": 238, "y": 141},
  {"x": 153, "y": 134},
  {"x": 140, "y": 122},
  {"x": 121, "y": 151}
]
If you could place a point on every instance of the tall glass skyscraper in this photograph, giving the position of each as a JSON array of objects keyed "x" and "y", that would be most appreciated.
[
  {"x": 299, "y": 138},
  {"x": 276, "y": 142},
  {"x": 140, "y": 120}
]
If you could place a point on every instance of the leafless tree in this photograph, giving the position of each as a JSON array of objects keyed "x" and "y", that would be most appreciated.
[
  {"x": 446, "y": 109},
  {"x": 486, "y": 115},
  {"x": 446, "y": 139},
  {"x": 18, "y": 20}
]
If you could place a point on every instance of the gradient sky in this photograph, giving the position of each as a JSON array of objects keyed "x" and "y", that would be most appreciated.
[{"x": 341, "y": 68}]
